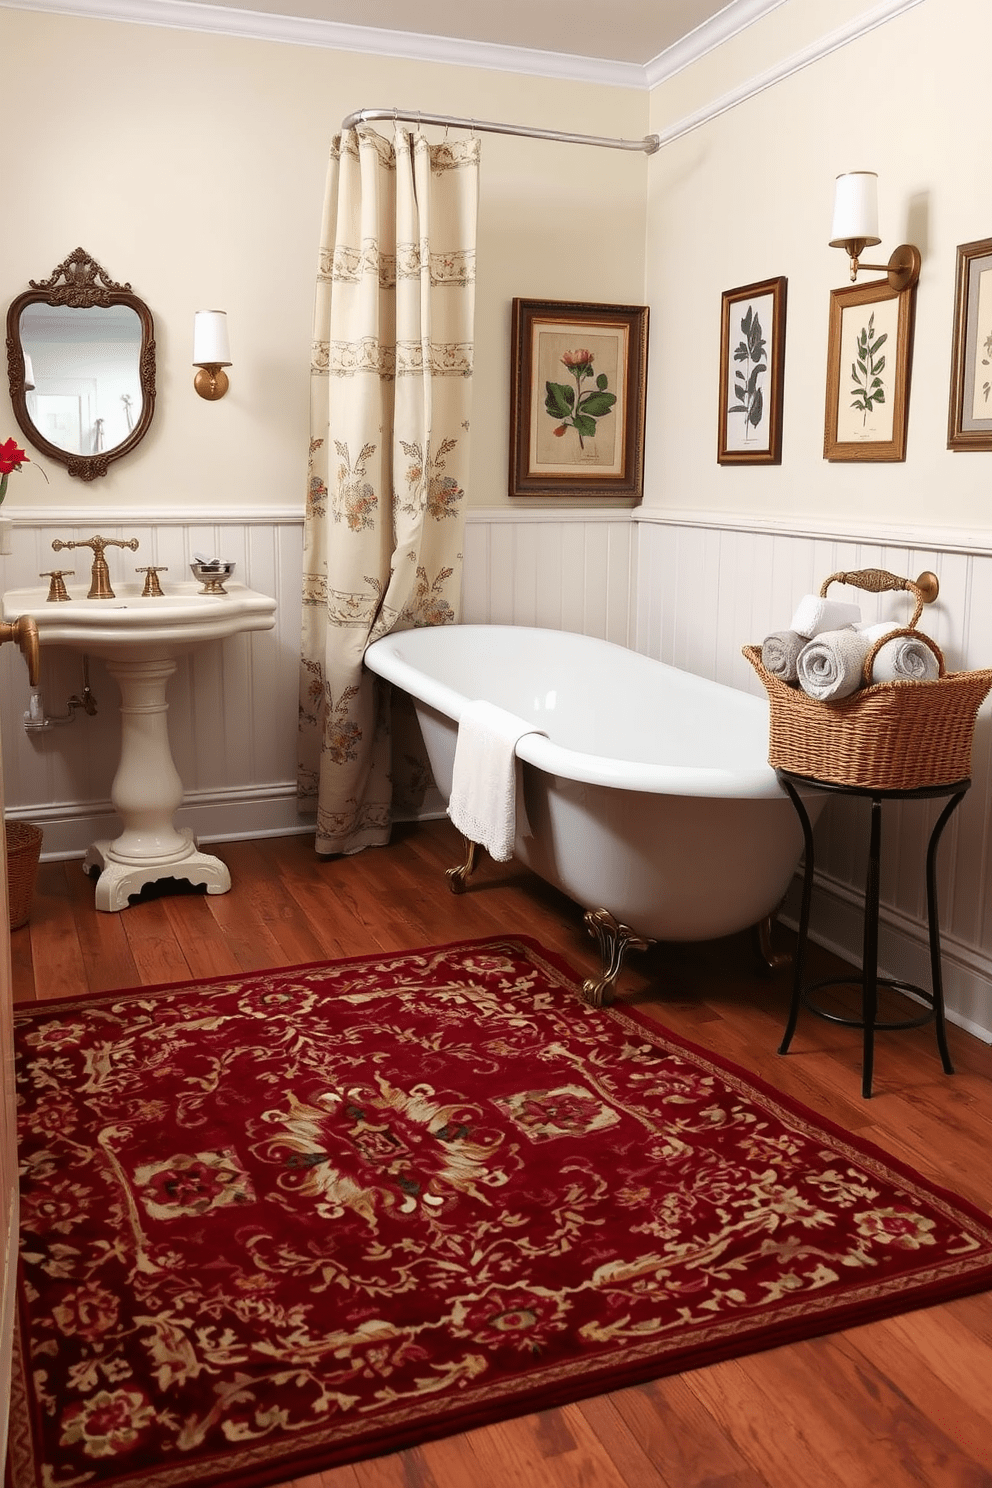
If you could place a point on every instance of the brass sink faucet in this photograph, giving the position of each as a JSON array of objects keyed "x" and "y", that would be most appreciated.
[{"x": 100, "y": 576}]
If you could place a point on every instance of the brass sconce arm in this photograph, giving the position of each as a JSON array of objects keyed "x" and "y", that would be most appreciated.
[{"x": 902, "y": 269}]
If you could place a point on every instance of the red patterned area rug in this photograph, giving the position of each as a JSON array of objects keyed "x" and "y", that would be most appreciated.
[{"x": 275, "y": 1222}]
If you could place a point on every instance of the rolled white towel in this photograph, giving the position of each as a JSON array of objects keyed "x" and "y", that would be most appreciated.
[
  {"x": 815, "y": 614},
  {"x": 830, "y": 666},
  {"x": 780, "y": 652},
  {"x": 905, "y": 658}
]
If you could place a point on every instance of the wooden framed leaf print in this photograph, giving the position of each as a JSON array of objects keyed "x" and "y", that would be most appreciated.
[
  {"x": 577, "y": 399},
  {"x": 969, "y": 419},
  {"x": 868, "y": 366},
  {"x": 752, "y": 374}
]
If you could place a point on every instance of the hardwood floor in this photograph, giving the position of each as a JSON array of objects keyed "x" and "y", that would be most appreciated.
[{"x": 906, "y": 1401}]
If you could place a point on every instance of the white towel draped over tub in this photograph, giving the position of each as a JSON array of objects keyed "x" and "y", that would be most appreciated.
[{"x": 483, "y": 804}]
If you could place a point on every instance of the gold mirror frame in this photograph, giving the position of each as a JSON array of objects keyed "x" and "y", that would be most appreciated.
[{"x": 80, "y": 283}]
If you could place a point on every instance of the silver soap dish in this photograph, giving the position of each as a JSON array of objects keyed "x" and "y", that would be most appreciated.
[{"x": 212, "y": 575}]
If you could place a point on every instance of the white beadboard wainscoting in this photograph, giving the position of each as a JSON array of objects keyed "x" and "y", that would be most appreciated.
[
  {"x": 688, "y": 588},
  {"x": 232, "y": 704},
  {"x": 707, "y": 584},
  {"x": 560, "y": 570}
]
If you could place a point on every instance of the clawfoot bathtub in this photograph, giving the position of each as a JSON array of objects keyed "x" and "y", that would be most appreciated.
[{"x": 650, "y": 802}]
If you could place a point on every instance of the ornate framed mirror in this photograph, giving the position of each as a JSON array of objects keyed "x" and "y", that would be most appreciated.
[{"x": 81, "y": 364}]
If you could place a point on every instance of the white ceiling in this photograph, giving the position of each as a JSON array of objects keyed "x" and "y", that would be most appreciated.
[{"x": 634, "y": 31}]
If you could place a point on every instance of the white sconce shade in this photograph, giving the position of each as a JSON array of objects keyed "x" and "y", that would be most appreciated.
[
  {"x": 855, "y": 228},
  {"x": 29, "y": 382},
  {"x": 211, "y": 353},
  {"x": 210, "y": 344},
  {"x": 855, "y": 209}
]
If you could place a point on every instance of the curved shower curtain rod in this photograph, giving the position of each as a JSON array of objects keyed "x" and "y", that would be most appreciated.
[{"x": 647, "y": 145}]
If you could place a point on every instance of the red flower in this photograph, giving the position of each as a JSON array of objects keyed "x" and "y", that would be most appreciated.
[
  {"x": 10, "y": 457},
  {"x": 573, "y": 359}
]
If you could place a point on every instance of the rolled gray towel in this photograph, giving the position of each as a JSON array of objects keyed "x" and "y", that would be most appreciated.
[
  {"x": 830, "y": 666},
  {"x": 905, "y": 659},
  {"x": 780, "y": 652}
]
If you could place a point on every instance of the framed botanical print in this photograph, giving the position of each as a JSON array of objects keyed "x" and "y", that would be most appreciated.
[
  {"x": 868, "y": 367},
  {"x": 577, "y": 399},
  {"x": 752, "y": 374},
  {"x": 969, "y": 418}
]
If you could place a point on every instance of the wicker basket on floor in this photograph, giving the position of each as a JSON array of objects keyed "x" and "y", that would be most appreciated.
[
  {"x": 885, "y": 736},
  {"x": 23, "y": 852}
]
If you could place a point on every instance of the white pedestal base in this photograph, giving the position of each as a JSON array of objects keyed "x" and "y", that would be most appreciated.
[
  {"x": 119, "y": 879},
  {"x": 146, "y": 793}
]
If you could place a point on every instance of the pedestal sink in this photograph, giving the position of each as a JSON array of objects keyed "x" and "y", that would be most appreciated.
[{"x": 140, "y": 639}]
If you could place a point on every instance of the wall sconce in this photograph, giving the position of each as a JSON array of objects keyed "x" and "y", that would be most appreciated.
[
  {"x": 211, "y": 353},
  {"x": 855, "y": 228}
]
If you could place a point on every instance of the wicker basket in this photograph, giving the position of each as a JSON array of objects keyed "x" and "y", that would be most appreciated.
[
  {"x": 885, "y": 736},
  {"x": 23, "y": 852}
]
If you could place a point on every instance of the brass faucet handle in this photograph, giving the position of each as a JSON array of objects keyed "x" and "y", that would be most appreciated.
[
  {"x": 25, "y": 632},
  {"x": 152, "y": 589},
  {"x": 57, "y": 589}
]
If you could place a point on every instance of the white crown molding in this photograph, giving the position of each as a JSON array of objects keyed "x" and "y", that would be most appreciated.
[
  {"x": 869, "y": 21},
  {"x": 737, "y": 16},
  {"x": 222, "y": 20},
  {"x": 724, "y": 26}
]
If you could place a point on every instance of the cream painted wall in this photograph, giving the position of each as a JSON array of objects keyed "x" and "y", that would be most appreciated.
[
  {"x": 749, "y": 196},
  {"x": 193, "y": 165}
]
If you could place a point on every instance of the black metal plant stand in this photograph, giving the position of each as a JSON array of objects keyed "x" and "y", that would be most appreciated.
[{"x": 869, "y": 980}]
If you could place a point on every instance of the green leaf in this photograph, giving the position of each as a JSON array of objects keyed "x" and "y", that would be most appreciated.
[
  {"x": 594, "y": 405},
  {"x": 586, "y": 426},
  {"x": 752, "y": 381},
  {"x": 602, "y": 382},
  {"x": 879, "y": 365},
  {"x": 755, "y": 337},
  {"x": 559, "y": 400},
  {"x": 757, "y": 405},
  {"x": 879, "y": 342},
  {"x": 737, "y": 408}
]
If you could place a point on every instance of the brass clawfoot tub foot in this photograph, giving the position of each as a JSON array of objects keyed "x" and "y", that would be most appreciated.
[
  {"x": 458, "y": 877},
  {"x": 614, "y": 941},
  {"x": 762, "y": 935}
]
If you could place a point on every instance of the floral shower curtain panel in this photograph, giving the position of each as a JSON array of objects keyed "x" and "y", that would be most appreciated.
[{"x": 390, "y": 389}]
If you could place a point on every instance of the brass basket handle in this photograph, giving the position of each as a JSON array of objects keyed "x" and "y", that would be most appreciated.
[
  {"x": 906, "y": 630},
  {"x": 877, "y": 580}
]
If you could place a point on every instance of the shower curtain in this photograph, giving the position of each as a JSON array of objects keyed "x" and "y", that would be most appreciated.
[{"x": 389, "y": 416}]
